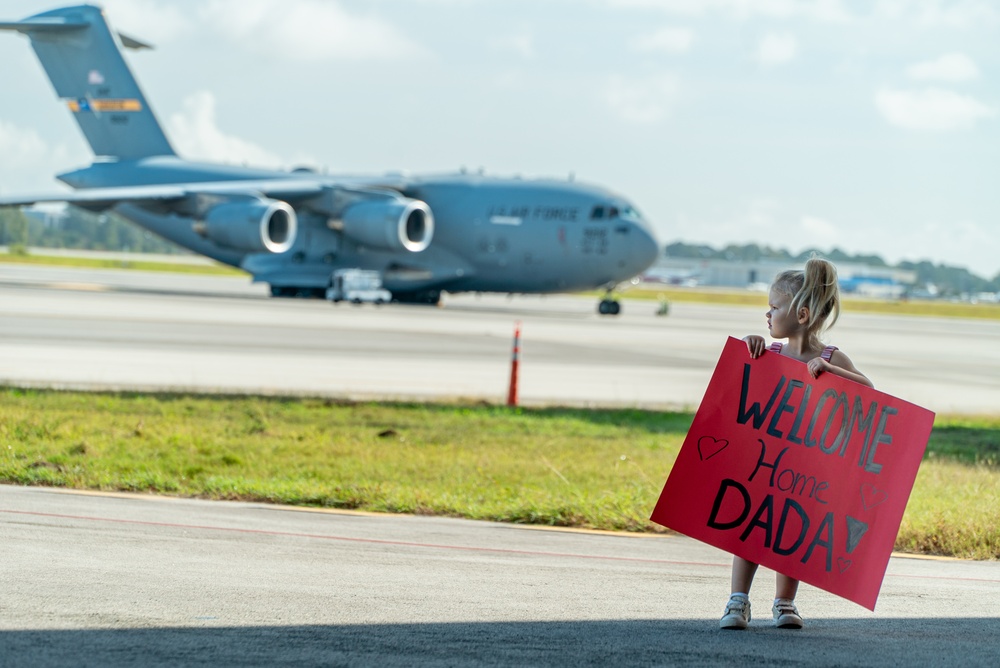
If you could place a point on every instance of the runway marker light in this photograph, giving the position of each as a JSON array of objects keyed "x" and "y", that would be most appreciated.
[{"x": 514, "y": 362}]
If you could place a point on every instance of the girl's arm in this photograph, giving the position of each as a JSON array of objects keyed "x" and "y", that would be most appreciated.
[{"x": 839, "y": 365}]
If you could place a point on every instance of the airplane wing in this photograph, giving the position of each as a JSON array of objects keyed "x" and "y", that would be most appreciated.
[
  {"x": 370, "y": 212},
  {"x": 99, "y": 199}
]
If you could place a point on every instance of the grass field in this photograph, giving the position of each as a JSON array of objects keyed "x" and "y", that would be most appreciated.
[
  {"x": 938, "y": 308},
  {"x": 601, "y": 469},
  {"x": 105, "y": 263},
  {"x": 565, "y": 467}
]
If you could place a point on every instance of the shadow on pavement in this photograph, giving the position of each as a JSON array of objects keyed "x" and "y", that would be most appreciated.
[{"x": 825, "y": 642}]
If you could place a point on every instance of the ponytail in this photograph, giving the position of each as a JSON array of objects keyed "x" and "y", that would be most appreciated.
[{"x": 816, "y": 289}]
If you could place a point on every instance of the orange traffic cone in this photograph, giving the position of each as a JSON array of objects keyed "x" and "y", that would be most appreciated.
[{"x": 514, "y": 361}]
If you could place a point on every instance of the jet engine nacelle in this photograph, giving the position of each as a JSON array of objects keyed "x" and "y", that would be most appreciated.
[
  {"x": 390, "y": 224},
  {"x": 252, "y": 226}
]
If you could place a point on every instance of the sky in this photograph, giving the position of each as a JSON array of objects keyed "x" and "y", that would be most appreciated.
[{"x": 870, "y": 126}]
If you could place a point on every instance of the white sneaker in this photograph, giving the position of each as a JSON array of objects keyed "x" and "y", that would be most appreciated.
[
  {"x": 786, "y": 615},
  {"x": 737, "y": 614}
]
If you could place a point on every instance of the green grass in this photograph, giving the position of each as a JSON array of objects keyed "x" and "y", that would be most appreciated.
[
  {"x": 143, "y": 265},
  {"x": 600, "y": 469},
  {"x": 941, "y": 309}
]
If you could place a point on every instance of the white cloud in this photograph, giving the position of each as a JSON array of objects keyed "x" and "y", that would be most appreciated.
[
  {"x": 762, "y": 221},
  {"x": 819, "y": 10},
  {"x": 775, "y": 49},
  {"x": 770, "y": 224},
  {"x": 931, "y": 109},
  {"x": 642, "y": 100},
  {"x": 830, "y": 11},
  {"x": 760, "y": 215},
  {"x": 960, "y": 243},
  {"x": 950, "y": 67},
  {"x": 26, "y": 156},
  {"x": 666, "y": 40},
  {"x": 17, "y": 143},
  {"x": 512, "y": 79},
  {"x": 767, "y": 222},
  {"x": 755, "y": 222},
  {"x": 146, "y": 20},
  {"x": 196, "y": 135},
  {"x": 521, "y": 44},
  {"x": 308, "y": 30},
  {"x": 820, "y": 232},
  {"x": 940, "y": 13}
]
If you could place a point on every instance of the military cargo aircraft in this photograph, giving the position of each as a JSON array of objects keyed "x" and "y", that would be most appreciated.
[{"x": 292, "y": 230}]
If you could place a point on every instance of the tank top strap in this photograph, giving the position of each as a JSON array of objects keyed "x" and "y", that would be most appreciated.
[
  {"x": 828, "y": 352},
  {"x": 775, "y": 347}
]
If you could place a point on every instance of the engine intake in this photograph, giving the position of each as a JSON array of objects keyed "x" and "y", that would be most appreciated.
[
  {"x": 390, "y": 224},
  {"x": 253, "y": 226}
]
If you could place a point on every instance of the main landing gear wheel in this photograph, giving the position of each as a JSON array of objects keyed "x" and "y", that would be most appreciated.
[
  {"x": 432, "y": 297},
  {"x": 609, "y": 306},
  {"x": 298, "y": 292}
]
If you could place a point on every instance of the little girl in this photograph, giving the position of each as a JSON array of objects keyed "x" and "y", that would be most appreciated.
[{"x": 802, "y": 304}]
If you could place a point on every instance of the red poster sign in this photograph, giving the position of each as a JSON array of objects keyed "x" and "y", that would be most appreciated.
[{"x": 806, "y": 476}]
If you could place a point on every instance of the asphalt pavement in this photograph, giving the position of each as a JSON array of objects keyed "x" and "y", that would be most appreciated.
[
  {"x": 119, "y": 580},
  {"x": 132, "y": 330}
]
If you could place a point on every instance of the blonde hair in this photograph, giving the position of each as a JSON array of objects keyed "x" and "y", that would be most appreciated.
[{"x": 814, "y": 288}]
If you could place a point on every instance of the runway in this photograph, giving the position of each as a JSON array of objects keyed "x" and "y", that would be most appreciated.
[
  {"x": 92, "y": 580},
  {"x": 109, "y": 580},
  {"x": 81, "y": 328}
]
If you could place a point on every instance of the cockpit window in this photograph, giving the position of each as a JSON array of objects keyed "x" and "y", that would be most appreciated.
[
  {"x": 602, "y": 211},
  {"x": 631, "y": 214}
]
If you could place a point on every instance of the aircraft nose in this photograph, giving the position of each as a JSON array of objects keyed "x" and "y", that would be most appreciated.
[{"x": 645, "y": 248}]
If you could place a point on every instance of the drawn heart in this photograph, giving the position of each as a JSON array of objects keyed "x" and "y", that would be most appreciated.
[
  {"x": 843, "y": 564},
  {"x": 871, "y": 496},
  {"x": 708, "y": 447}
]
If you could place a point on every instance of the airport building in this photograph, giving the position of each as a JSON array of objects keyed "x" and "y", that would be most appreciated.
[{"x": 855, "y": 278}]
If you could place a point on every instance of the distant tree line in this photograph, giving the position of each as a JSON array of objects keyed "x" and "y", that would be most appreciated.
[
  {"x": 79, "y": 229},
  {"x": 948, "y": 280}
]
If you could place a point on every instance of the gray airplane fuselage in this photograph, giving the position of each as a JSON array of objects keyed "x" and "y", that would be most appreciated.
[
  {"x": 490, "y": 235},
  {"x": 293, "y": 230}
]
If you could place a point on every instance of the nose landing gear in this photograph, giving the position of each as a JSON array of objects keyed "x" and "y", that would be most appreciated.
[{"x": 609, "y": 305}]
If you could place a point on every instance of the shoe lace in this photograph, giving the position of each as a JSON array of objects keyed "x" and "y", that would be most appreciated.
[
  {"x": 785, "y": 608},
  {"x": 737, "y": 606}
]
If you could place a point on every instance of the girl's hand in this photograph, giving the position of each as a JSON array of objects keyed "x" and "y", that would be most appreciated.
[
  {"x": 818, "y": 365},
  {"x": 755, "y": 344}
]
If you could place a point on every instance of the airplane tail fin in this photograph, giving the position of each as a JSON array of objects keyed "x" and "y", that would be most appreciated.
[{"x": 82, "y": 58}]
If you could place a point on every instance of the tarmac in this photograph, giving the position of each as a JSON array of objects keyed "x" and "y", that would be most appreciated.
[
  {"x": 133, "y": 330},
  {"x": 118, "y": 580},
  {"x": 113, "y": 579}
]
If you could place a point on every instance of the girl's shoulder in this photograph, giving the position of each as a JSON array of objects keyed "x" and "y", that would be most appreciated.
[
  {"x": 827, "y": 353},
  {"x": 839, "y": 358}
]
